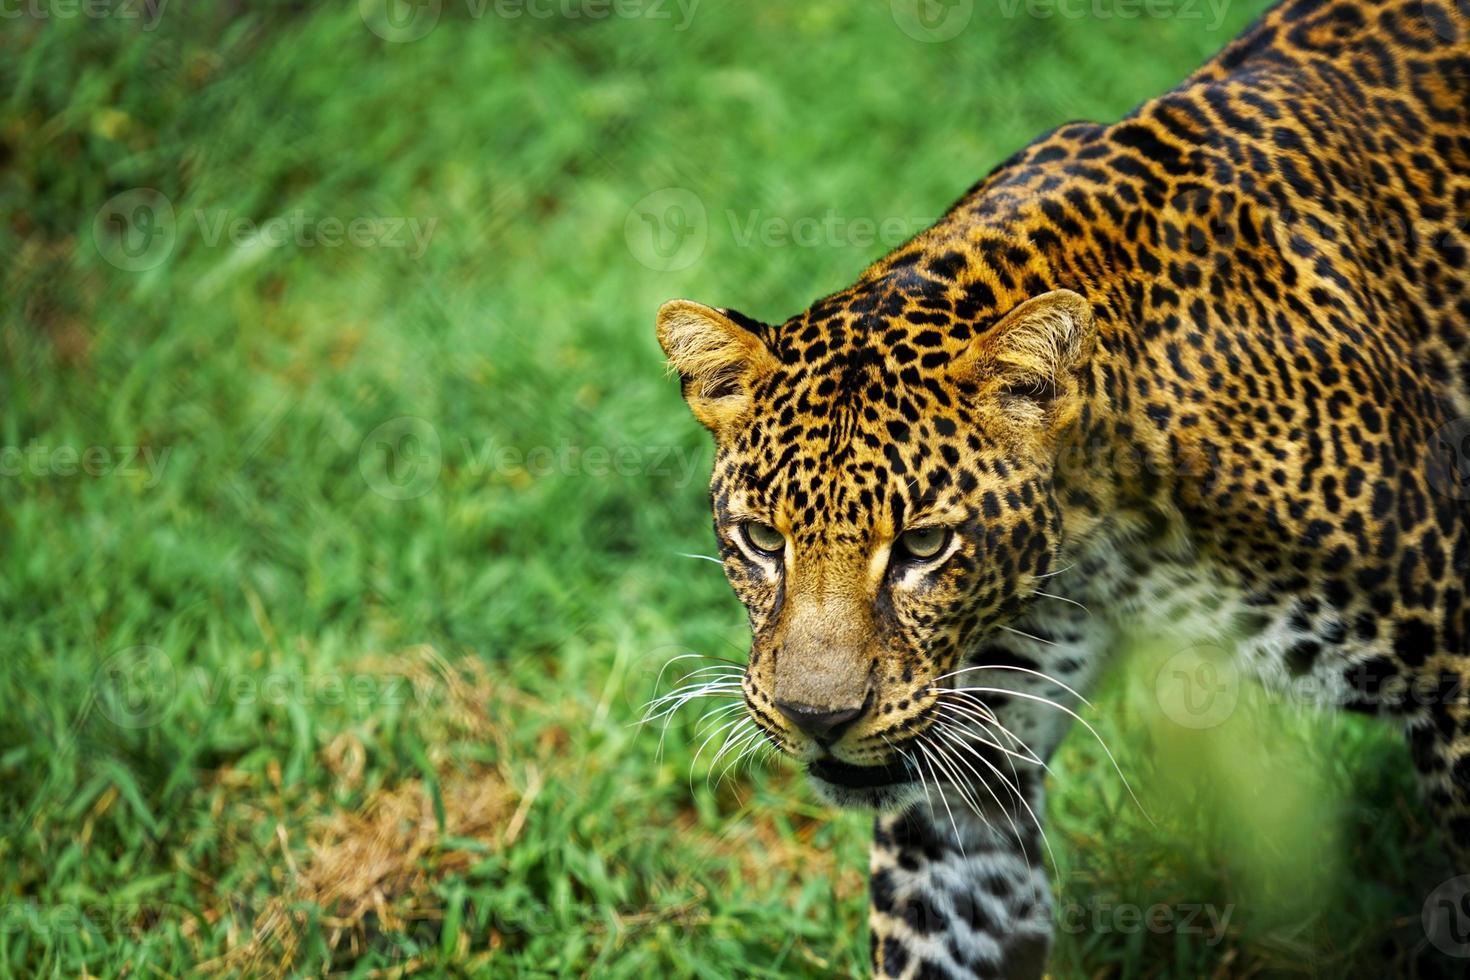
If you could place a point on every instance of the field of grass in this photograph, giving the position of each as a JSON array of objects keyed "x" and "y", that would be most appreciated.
[{"x": 344, "y": 502}]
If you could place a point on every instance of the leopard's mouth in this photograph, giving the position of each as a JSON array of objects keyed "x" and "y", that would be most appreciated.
[
  {"x": 890, "y": 787},
  {"x": 845, "y": 774}
]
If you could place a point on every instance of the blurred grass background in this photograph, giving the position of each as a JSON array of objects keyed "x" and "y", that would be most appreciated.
[{"x": 326, "y": 658}]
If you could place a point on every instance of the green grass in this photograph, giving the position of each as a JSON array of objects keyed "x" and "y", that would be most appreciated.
[{"x": 212, "y": 659}]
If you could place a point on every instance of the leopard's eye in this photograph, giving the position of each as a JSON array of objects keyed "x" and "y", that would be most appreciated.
[
  {"x": 763, "y": 538},
  {"x": 924, "y": 543}
]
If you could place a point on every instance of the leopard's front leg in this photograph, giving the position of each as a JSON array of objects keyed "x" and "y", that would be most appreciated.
[
  {"x": 962, "y": 899},
  {"x": 958, "y": 881}
]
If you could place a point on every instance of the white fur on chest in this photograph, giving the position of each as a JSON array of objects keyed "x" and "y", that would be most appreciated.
[{"x": 1183, "y": 601}]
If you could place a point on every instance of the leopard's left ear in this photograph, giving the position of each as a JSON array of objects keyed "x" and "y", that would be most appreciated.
[{"x": 1033, "y": 358}]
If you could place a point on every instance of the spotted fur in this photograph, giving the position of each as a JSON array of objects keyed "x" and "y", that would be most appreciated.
[{"x": 1196, "y": 364}]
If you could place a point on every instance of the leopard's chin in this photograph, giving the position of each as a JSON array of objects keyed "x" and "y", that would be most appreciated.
[{"x": 888, "y": 787}]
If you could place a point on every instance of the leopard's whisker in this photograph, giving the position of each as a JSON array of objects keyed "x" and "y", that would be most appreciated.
[
  {"x": 929, "y": 761},
  {"x": 712, "y": 715},
  {"x": 679, "y": 698},
  {"x": 1029, "y": 636},
  {"x": 1076, "y": 717},
  {"x": 985, "y": 785},
  {"x": 965, "y": 706},
  {"x": 675, "y": 699},
  {"x": 966, "y": 735},
  {"x": 914, "y": 764},
  {"x": 1031, "y": 758},
  {"x": 1020, "y": 798},
  {"x": 1062, "y": 598},
  {"x": 715, "y": 670},
  {"x": 722, "y": 730},
  {"x": 959, "y": 784},
  {"x": 695, "y": 654},
  {"x": 685, "y": 554},
  {"x": 1020, "y": 670},
  {"x": 737, "y": 734},
  {"x": 964, "y": 703},
  {"x": 659, "y": 681},
  {"x": 749, "y": 742},
  {"x": 1027, "y": 753},
  {"x": 668, "y": 716},
  {"x": 726, "y": 675}
]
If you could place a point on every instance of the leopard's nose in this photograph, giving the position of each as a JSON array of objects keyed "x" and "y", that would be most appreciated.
[{"x": 825, "y": 724}]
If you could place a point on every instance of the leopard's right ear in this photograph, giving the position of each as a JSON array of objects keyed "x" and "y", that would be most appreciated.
[{"x": 718, "y": 355}]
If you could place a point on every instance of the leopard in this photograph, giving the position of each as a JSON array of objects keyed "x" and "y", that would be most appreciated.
[{"x": 1207, "y": 364}]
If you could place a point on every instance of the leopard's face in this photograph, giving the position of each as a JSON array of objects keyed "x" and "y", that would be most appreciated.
[{"x": 881, "y": 505}]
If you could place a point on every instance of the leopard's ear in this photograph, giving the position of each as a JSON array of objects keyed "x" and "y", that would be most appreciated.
[
  {"x": 1033, "y": 359},
  {"x": 718, "y": 355}
]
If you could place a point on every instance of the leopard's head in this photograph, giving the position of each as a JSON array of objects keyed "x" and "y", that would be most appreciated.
[{"x": 883, "y": 498}]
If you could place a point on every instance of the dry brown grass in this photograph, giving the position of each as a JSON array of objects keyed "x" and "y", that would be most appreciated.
[
  {"x": 372, "y": 870},
  {"x": 366, "y": 873}
]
